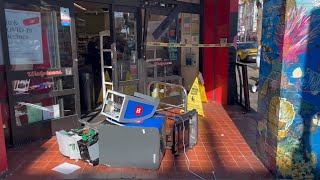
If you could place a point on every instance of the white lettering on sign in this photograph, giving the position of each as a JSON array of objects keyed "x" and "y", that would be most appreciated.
[{"x": 138, "y": 110}]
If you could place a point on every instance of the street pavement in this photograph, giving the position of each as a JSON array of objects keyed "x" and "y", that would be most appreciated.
[{"x": 253, "y": 76}]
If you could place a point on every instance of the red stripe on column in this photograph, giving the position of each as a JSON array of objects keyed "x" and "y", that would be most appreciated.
[
  {"x": 208, "y": 62},
  {"x": 222, "y": 54}
]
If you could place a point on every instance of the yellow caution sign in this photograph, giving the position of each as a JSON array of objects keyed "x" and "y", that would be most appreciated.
[
  {"x": 107, "y": 79},
  {"x": 160, "y": 44},
  {"x": 204, "y": 98},
  {"x": 129, "y": 89},
  {"x": 194, "y": 98}
]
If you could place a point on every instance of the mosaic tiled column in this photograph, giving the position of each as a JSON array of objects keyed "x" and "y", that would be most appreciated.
[{"x": 289, "y": 89}]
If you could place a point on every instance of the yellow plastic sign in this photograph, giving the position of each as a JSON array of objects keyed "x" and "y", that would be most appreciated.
[
  {"x": 194, "y": 98},
  {"x": 107, "y": 79},
  {"x": 129, "y": 89},
  {"x": 202, "y": 89},
  {"x": 204, "y": 98}
]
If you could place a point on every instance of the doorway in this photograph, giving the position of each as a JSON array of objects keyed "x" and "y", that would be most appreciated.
[
  {"x": 113, "y": 33},
  {"x": 90, "y": 19}
]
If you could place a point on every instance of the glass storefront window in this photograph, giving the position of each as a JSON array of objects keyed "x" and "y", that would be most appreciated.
[
  {"x": 190, "y": 34},
  {"x": 30, "y": 112},
  {"x": 126, "y": 35},
  {"x": 38, "y": 41},
  {"x": 36, "y": 38},
  {"x": 126, "y": 45},
  {"x": 164, "y": 59}
]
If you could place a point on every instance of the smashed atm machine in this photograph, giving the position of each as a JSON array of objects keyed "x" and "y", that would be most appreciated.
[{"x": 129, "y": 132}]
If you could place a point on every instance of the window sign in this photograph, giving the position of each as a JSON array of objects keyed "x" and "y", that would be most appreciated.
[
  {"x": 65, "y": 17},
  {"x": 24, "y": 37}
]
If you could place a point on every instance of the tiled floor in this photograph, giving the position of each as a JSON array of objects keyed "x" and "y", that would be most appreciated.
[{"x": 222, "y": 153}]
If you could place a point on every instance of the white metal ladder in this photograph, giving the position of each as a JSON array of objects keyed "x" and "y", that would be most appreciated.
[{"x": 103, "y": 66}]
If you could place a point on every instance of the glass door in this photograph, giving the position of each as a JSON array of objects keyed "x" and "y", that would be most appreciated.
[
  {"x": 163, "y": 62},
  {"x": 127, "y": 49},
  {"x": 41, "y": 68}
]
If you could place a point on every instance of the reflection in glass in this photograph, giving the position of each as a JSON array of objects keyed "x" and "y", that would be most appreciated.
[
  {"x": 126, "y": 46},
  {"x": 164, "y": 59},
  {"x": 126, "y": 36},
  {"x": 43, "y": 110},
  {"x": 43, "y": 85}
]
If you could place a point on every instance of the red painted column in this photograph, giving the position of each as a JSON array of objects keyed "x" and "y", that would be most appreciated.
[
  {"x": 217, "y": 61},
  {"x": 208, "y": 62}
]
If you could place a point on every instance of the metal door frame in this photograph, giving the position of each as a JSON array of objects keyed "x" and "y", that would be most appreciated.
[{"x": 44, "y": 129}]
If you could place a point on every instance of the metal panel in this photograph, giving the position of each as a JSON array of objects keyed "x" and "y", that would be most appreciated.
[{"x": 129, "y": 147}]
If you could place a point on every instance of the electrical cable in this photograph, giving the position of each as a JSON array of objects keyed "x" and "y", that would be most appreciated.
[{"x": 185, "y": 154}]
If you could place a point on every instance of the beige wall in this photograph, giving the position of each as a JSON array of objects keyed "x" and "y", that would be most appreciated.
[{"x": 189, "y": 34}]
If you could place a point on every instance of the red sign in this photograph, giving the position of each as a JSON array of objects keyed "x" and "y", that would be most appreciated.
[
  {"x": 44, "y": 73},
  {"x": 162, "y": 63},
  {"x": 138, "y": 110},
  {"x": 31, "y": 21}
]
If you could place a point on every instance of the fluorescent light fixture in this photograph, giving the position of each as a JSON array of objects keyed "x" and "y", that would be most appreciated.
[{"x": 78, "y": 6}]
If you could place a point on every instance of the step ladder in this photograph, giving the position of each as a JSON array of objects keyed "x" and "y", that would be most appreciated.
[{"x": 104, "y": 67}]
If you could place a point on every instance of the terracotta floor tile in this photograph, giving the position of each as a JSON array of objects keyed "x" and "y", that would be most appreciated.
[
  {"x": 229, "y": 162},
  {"x": 203, "y": 157},
  {"x": 167, "y": 169},
  {"x": 224, "y": 154},
  {"x": 247, "y": 153},
  {"x": 41, "y": 165},
  {"x": 235, "y": 153},
  {"x": 205, "y": 163},
  {"x": 222, "y": 148},
  {"x": 199, "y": 149},
  {"x": 243, "y": 164}
]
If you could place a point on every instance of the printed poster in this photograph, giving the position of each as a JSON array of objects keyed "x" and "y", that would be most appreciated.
[
  {"x": 34, "y": 113},
  {"x": 24, "y": 36}
]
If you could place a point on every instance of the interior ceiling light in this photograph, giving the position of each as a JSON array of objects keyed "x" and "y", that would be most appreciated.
[
  {"x": 78, "y": 6},
  {"x": 81, "y": 19}
]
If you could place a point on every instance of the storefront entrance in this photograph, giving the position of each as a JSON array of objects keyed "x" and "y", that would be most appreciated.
[{"x": 50, "y": 46}]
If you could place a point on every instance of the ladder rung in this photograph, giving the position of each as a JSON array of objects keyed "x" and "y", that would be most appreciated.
[
  {"x": 108, "y": 83},
  {"x": 106, "y": 50},
  {"x": 110, "y": 67}
]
